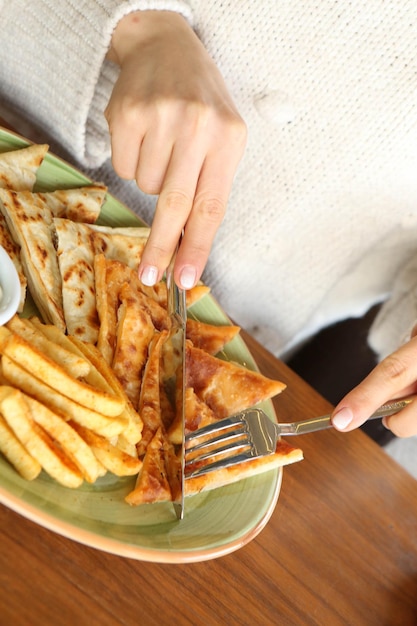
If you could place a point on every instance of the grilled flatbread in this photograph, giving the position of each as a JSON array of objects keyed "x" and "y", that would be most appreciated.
[
  {"x": 152, "y": 484},
  {"x": 29, "y": 218},
  {"x": 18, "y": 172},
  {"x": 134, "y": 334},
  {"x": 7, "y": 242},
  {"x": 18, "y": 167},
  {"x": 226, "y": 387},
  {"x": 79, "y": 205},
  {"x": 75, "y": 258},
  {"x": 77, "y": 246},
  {"x": 208, "y": 337},
  {"x": 284, "y": 454},
  {"x": 111, "y": 277},
  {"x": 30, "y": 223},
  {"x": 197, "y": 415},
  {"x": 149, "y": 402}
]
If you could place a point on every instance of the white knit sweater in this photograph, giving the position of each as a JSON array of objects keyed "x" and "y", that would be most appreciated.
[{"x": 323, "y": 212}]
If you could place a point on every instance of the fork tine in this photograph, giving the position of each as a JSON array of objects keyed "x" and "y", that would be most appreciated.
[
  {"x": 231, "y": 448},
  {"x": 220, "y": 464},
  {"x": 228, "y": 438},
  {"x": 215, "y": 427}
]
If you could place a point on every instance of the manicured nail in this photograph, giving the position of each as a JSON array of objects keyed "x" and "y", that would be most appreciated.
[
  {"x": 187, "y": 277},
  {"x": 342, "y": 418},
  {"x": 149, "y": 275}
]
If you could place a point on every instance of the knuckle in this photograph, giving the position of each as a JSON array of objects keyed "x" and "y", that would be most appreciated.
[
  {"x": 210, "y": 208},
  {"x": 157, "y": 254},
  {"x": 393, "y": 367},
  {"x": 176, "y": 200}
]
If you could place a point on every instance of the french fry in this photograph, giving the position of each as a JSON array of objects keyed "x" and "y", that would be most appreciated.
[
  {"x": 3, "y": 380},
  {"x": 52, "y": 374},
  {"x": 133, "y": 430},
  {"x": 123, "y": 444},
  {"x": 75, "y": 365},
  {"x": 17, "y": 455},
  {"x": 110, "y": 456},
  {"x": 70, "y": 441},
  {"x": 5, "y": 334},
  {"x": 25, "y": 381},
  {"x": 16, "y": 412},
  {"x": 94, "y": 377}
]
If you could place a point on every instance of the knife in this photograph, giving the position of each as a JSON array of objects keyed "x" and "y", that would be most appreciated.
[{"x": 177, "y": 312}]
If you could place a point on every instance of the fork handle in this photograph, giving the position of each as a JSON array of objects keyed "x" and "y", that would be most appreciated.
[{"x": 320, "y": 423}]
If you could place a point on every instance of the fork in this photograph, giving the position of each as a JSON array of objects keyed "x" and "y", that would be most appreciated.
[{"x": 251, "y": 434}]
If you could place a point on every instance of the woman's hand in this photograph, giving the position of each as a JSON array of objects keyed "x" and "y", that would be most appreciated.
[
  {"x": 175, "y": 129},
  {"x": 394, "y": 377}
]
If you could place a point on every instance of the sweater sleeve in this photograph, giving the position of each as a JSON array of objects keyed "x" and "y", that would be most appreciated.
[{"x": 53, "y": 69}]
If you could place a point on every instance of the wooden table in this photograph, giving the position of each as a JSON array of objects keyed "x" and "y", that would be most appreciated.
[{"x": 340, "y": 549}]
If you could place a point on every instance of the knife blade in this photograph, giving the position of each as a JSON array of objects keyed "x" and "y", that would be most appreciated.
[{"x": 177, "y": 312}]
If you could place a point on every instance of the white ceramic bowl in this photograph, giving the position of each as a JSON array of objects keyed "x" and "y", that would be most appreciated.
[{"x": 9, "y": 288}]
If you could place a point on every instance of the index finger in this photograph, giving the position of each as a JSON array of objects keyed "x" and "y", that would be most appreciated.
[
  {"x": 193, "y": 201},
  {"x": 394, "y": 377}
]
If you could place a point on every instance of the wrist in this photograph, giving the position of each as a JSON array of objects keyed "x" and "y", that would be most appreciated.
[{"x": 138, "y": 27}]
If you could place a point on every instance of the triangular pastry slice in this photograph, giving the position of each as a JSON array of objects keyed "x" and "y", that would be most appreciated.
[
  {"x": 7, "y": 242},
  {"x": 18, "y": 168},
  {"x": 134, "y": 334},
  {"x": 197, "y": 415},
  {"x": 31, "y": 226},
  {"x": 29, "y": 217},
  {"x": 149, "y": 402},
  {"x": 209, "y": 337},
  {"x": 77, "y": 246},
  {"x": 224, "y": 386},
  {"x": 152, "y": 484}
]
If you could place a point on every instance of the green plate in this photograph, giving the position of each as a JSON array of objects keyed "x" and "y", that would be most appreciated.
[{"x": 216, "y": 523}]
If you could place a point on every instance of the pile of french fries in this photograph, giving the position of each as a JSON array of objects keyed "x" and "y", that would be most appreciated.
[{"x": 62, "y": 409}]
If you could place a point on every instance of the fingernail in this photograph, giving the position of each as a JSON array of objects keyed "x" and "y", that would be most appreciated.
[
  {"x": 149, "y": 275},
  {"x": 188, "y": 276},
  {"x": 342, "y": 418}
]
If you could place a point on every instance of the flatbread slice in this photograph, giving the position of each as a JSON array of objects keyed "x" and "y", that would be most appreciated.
[
  {"x": 197, "y": 415},
  {"x": 111, "y": 277},
  {"x": 226, "y": 387},
  {"x": 18, "y": 167},
  {"x": 284, "y": 454},
  {"x": 82, "y": 204},
  {"x": 149, "y": 401},
  {"x": 209, "y": 337},
  {"x": 134, "y": 335},
  {"x": 7, "y": 242},
  {"x": 77, "y": 246},
  {"x": 30, "y": 223},
  {"x": 29, "y": 218},
  {"x": 124, "y": 244},
  {"x": 152, "y": 484}
]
